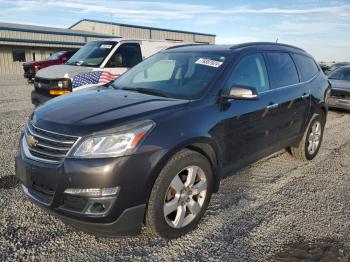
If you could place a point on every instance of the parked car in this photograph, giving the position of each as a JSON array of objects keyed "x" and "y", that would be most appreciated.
[
  {"x": 152, "y": 147},
  {"x": 31, "y": 68},
  {"x": 96, "y": 63},
  {"x": 324, "y": 67},
  {"x": 340, "y": 92},
  {"x": 335, "y": 66}
]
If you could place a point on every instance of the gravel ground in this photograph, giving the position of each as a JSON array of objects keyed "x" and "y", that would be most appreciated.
[{"x": 278, "y": 209}]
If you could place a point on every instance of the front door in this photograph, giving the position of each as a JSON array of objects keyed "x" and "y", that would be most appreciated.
[
  {"x": 130, "y": 54},
  {"x": 246, "y": 124}
]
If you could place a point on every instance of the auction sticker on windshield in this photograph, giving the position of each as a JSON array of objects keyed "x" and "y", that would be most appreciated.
[
  {"x": 208, "y": 62},
  {"x": 106, "y": 46}
]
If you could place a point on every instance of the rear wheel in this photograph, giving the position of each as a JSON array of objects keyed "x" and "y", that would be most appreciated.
[
  {"x": 180, "y": 195},
  {"x": 310, "y": 144}
]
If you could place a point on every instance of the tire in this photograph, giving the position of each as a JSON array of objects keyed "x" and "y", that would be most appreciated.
[
  {"x": 303, "y": 151},
  {"x": 165, "y": 195}
]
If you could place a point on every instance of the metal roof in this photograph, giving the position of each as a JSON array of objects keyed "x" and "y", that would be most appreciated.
[
  {"x": 142, "y": 27},
  {"x": 49, "y": 30}
]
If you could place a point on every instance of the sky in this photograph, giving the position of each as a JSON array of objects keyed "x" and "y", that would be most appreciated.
[{"x": 320, "y": 27}]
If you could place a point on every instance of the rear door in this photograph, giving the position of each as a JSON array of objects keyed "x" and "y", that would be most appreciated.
[{"x": 291, "y": 98}]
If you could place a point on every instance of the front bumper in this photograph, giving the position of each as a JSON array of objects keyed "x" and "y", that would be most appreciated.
[
  {"x": 30, "y": 75},
  {"x": 339, "y": 103},
  {"x": 128, "y": 223},
  {"x": 39, "y": 98},
  {"x": 45, "y": 184}
]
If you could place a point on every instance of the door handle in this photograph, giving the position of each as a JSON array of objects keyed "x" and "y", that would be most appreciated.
[
  {"x": 272, "y": 105},
  {"x": 305, "y": 96}
]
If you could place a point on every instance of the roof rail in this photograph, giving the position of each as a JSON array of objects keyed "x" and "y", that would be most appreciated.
[
  {"x": 176, "y": 46},
  {"x": 264, "y": 43}
]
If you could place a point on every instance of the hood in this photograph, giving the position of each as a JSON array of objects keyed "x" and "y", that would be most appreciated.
[
  {"x": 61, "y": 71},
  {"x": 42, "y": 62},
  {"x": 93, "y": 110},
  {"x": 340, "y": 84}
]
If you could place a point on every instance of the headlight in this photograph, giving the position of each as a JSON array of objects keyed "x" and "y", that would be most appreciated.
[
  {"x": 124, "y": 141},
  {"x": 61, "y": 84}
]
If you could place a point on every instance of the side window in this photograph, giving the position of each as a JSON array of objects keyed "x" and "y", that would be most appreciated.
[
  {"x": 162, "y": 70},
  {"x": 306, "y": 66},
  {"x": 130, "y": 53},
  {"x": 340, "y": 74},
  {"x": 251, "y": 72},
  {"x": 282, "y": 69},
  {"x": 347, "y": 74}
]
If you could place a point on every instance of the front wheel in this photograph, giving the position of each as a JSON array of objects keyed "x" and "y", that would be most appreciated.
[
  {"x": 310, "y": 144},
  {"x": 180, "y": 195}
]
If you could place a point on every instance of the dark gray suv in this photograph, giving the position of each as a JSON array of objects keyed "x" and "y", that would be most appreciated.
[{"x": 152, "y": 147}]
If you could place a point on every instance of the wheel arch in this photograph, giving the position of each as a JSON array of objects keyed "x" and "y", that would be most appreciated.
[
  {"x": 203, "y": 145},
  {"x": 209, "y": 152}
]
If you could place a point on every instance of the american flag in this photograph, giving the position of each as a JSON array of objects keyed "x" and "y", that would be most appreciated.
[{"x": 94, "y": 77}]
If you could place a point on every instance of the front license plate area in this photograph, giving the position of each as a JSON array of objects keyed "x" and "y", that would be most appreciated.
[{"x": 23, "y": 172}]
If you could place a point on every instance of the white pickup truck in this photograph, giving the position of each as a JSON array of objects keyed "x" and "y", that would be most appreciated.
[{"x": 96, "y": 63}]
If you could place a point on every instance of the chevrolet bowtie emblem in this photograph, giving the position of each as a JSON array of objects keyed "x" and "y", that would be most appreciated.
[{"x": 31, "y": 141}]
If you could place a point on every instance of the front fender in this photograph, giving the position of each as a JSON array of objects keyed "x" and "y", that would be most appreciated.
[{"x": 196, "y": 144}]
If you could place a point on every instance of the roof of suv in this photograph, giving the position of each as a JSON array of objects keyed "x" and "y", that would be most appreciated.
[{"x": 227, "y": 48}]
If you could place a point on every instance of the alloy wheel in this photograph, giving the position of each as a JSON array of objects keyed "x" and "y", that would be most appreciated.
[
  {"x": 185, "y": 197},
  {"x": 314, "y": 138}
]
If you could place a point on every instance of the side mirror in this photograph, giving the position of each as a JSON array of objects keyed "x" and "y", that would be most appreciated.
[
  {"x": 242, "y": 93},
  {"x": 117, "y": 60}
]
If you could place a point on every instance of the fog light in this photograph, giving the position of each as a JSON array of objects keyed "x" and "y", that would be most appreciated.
[
  {"x": 97, "y": 208},
  {"x": 92, "y": 192}
]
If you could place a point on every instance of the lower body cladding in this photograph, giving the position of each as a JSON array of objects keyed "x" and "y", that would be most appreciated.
[
  {"x": 100, "y": 196},
  {"x": 341, "y": 103}
]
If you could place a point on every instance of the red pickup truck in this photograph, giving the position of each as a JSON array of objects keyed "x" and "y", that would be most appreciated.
[{"x": 30, "y": 68}]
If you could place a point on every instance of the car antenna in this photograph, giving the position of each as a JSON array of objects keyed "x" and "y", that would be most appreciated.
[{"x": 277, "y": 40}]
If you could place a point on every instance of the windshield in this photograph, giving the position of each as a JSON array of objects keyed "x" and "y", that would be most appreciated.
[
  {"x": 92, "y": 54},
  {"x": 340, "y": 74},
  {"x": 335, "y": 66},
  {"x": 175, "y": 74},
  {"x": 55, "y": 56}
]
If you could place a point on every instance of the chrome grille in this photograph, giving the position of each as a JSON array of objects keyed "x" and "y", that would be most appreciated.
[
  {"x": 42, "y": 80},
  {"x": 41, "y": 83},
  {"x": 46, "y": 146}
]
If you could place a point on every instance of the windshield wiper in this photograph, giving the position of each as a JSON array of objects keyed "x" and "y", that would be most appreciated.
[{"x": 145, "y": 91}]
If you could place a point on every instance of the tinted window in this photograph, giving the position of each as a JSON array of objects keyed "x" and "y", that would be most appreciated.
[
  {"x": 175, "y": 74},
  {"x": 282, "y": 69},
  {"x": 91, "y": 54},
  {"x": 340, "y": 74},
  {"x": 251, "y": 72},
  {"x": 131, "y": 55},
  {"x": 306, "y": 66}
]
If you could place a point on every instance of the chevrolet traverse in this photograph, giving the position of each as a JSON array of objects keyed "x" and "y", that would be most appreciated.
[{"x": 151, "y": 147}]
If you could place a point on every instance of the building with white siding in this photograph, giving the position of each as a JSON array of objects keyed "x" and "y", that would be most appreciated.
[
  {"x": 22, "y": 43},
  {"x": 142, "y": 32}
]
